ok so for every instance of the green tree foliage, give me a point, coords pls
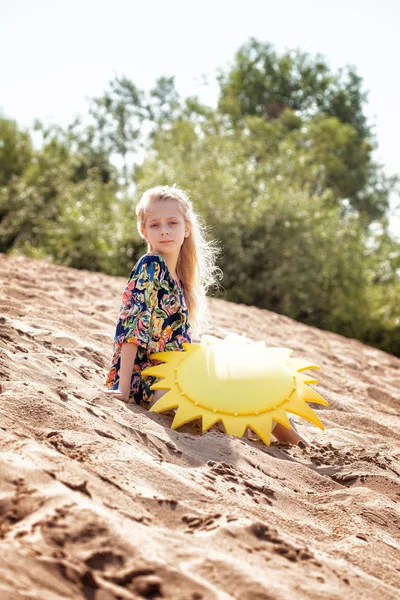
(46, 212)
(163, 103)
(122, 120)
(15, 151)
(263, 84)
(383, 326)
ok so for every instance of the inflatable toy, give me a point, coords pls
(241, 384)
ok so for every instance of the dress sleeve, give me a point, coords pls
(138, 301)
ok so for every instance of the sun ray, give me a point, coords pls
(298, 407)
(166, 402)
(190, 348)
(262, 427)
(235, 425)
(307, 379)
(186, 412)
(172, 358)
(298, 364)
(209, 419)
(157, 371)
(163, 384)
(310, 395)
(280, 417)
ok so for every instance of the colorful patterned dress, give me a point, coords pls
(153, 315)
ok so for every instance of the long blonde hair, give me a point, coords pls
(196, 266)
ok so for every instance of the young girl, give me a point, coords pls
(165, 298)
(164, 301)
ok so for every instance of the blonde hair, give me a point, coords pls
(196, 262)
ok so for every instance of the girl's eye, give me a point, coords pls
(154, 225)
(174, 223)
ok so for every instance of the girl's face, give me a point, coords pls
(165, 228)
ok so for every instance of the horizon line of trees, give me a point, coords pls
(282, 171)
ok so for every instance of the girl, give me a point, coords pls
(165, 298)
(164, 301)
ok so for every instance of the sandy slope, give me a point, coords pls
(100, 500)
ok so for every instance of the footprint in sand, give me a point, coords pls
(383, 397)
(65, 341)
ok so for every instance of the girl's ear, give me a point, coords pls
(187, 232)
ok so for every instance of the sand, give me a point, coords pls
(102, 500)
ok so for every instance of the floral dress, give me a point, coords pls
(153, 315)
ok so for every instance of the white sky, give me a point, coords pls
(56, 53)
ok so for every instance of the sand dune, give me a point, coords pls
(101, 500)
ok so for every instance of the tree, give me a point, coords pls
(15, 151)
(117, 117)
(46, 212)
(163, 104)
(122, 122)
(266, 85)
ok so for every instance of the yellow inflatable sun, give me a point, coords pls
(243, 385)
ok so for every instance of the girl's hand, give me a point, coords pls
(118, 394)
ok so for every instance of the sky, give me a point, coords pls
(55, 54)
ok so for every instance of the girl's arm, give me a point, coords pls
(128, 355)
